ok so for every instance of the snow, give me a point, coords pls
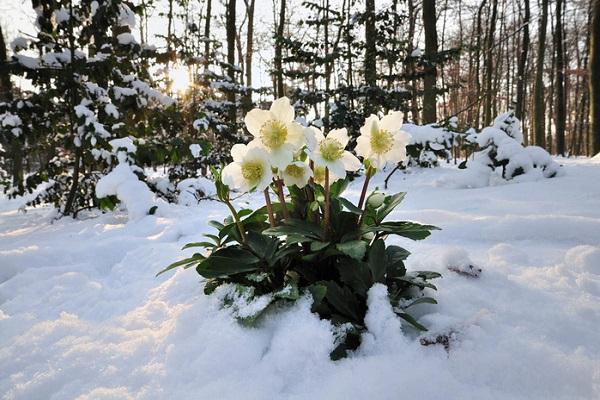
(195, 149)
(125, 38)
(82, 315)
(132, 192)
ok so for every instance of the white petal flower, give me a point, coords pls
(297, 173)
(249, 170)
(382, 141)
(319, 176)
(276, 131)
(329, 151)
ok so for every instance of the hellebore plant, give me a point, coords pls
(312, 241)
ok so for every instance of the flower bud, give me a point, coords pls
(376, 199)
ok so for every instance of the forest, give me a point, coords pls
(171, 74)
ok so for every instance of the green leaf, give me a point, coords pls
(411, 230)
(343, 301)
(318, 292)
(261, 245)
(377, 261)
(355, 274)
(196, 258)
(394, 260)
(318, 246)
(411, 320)
(389, 204)
(355, 249)
(296, 227)
(422, 300)
(428, 274)
(338, 187)
(349, 206)
(198, 244)
(152, 210)
(228, 261)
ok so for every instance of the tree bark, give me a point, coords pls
(538, 96)
(489, 64)
(561, 112)
(522, 67)
(431, 46)
(279, 89)
(249, 49)
(231, 35)
(207, 34)
(594, 80)
(370, 50)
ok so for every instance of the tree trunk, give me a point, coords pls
(431, 46)
(489, 64)
(231, 34)
(561, 112)
(249, 50)
(522, 68)
(370, 52)
(279, 89)
(538, 96)
(207, 34)
(594, 80)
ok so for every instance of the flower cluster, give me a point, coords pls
(313, 240)
(284, 151)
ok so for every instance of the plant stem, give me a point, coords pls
(363, 194)
(327, 210)
(269, 207)
(236, 217)
(284, 209)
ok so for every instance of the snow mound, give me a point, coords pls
(132, 192)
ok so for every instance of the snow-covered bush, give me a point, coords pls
(314, 242)
(429, 143)
(500, 148)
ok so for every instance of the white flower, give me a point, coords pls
(381, 141)
(296, 173)
(330, 151)
(249, 170)
(319, 176)
(276, 131)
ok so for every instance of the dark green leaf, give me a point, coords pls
(355, 249)
(196, 258)
(389, 204)
(377, 260)
(411, 230)
(228, 261)
(343, 300)
(422, 300)
(411, 320)
(349, 206)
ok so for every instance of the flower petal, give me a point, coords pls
(232, 175)
(283, 110)
(351, 163)
(337, 168)
(392, 122)
(366, 128)
(312, 136)
(255, 119)
(341, 135)
(238, 151)
(296, 134)
(363, 146)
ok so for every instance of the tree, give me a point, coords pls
(522, 67)
(279, 90)
(594, 80)
(561, 112)
(538, 95)
(431, 48)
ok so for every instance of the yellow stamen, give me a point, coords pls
(294, 171)
(381, 141)
(252, 170)
(273, 134)
(331, 149)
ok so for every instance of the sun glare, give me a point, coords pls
(180, 79)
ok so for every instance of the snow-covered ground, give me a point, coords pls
(82, 315)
